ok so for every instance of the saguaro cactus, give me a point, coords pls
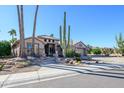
(64, 30)
(64, 34)
(63, 42)
(69, 36)
(60, 29)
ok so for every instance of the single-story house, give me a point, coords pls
(44, 46)
(80, 48)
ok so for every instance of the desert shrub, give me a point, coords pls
(89, 51)
(77, 55)
(120, 43)
(78, 59)
(5, 48)
(71, 53)
(96, 51)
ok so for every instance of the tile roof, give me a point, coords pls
(47, 37)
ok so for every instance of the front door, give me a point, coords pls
(49, 49)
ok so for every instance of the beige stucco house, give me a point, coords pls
(44, 46)
(80, 48)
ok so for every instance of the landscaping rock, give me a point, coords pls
(10, 63)
(66, 60)
(7, 66)
(22, 64)
(18, 65)
(2, 62)
(74, 62)
(86, 58)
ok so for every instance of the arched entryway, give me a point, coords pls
(49, 49)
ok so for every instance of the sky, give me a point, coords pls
(94, 25)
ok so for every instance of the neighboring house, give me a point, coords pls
(44, 46)
(80, 48)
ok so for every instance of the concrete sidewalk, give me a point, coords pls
(51, 71)
(44, 72)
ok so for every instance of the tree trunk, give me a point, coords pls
(34, 30)
(22, 34)
(13, 53)
(20, 31)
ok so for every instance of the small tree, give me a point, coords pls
(89, 49)
(120, 44)
(12, 33)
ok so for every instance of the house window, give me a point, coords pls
(29, 45)
(53, 40)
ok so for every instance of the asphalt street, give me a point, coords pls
(107, 78)
(78, 81)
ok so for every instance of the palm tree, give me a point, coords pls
(12, 33)
(34, 29)
(21, 30)
(22, 26)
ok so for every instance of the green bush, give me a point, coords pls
(78, 59)
(77, 55)
(96, 51)
(71, 53)
(5, 48)
(89, 51)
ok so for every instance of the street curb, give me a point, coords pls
(38, 78)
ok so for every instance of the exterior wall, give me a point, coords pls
(37, 50)
(49, 41)
(39, 46)
(17, 50)
(28, 51)
(80, 48)
(82, 51)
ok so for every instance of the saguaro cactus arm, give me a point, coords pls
(60, 29)
(69, 36)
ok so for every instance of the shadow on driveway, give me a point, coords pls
(82, 70)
